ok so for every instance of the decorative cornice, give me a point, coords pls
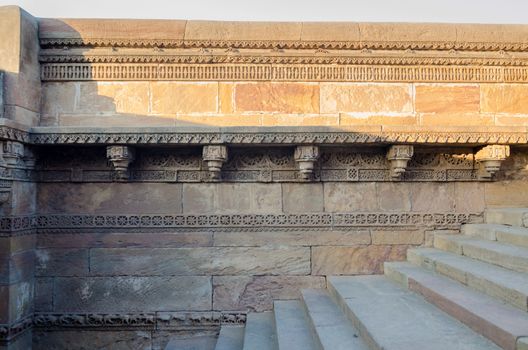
(282, 72)
(97, 137)
(286, 44)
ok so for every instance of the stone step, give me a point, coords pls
(230, 338)
(330, 327)
(501, 254)
(501, 323)
(392, 318)
(501, 233)
(260, 332)
(495, 281)
(507, 216)
(292, 328)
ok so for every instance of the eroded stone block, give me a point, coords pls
(132, 294)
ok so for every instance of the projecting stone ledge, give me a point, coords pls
(371, 134)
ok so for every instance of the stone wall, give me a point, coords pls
(375, 105)
(160, 178)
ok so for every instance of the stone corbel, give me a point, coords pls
(490, 158)
(120, 157)
(305, 157)
(214, 157)
(399, 156)
(12, 152)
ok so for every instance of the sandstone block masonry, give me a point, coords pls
(160, 178)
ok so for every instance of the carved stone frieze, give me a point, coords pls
(490, 159)
(282, 72)
(11, 152)
(120, 157)
(398, 157)
(214, 156)
(305, 157)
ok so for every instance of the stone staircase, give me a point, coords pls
(468, 292)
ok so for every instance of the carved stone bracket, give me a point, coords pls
(11, 152)
(120, 157)
(399, 156)
(490, 159)
(305, 157)
(214, 156)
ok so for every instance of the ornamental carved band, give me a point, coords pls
(490, 159)
(305, 157)
(399, 156)
(214, 156)
(120, 157)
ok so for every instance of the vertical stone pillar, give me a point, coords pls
(19, 103)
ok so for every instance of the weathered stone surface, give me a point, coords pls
(394, 196)
(351, 119)
(58, 98)
(200, 261)
(230, 30)
(354, 260)
(456, 119)
(226, 97)
(180, 97)
(16, 301)
(432, 197)
(397, 237)
(23, 198)
(255, 198)
(256, 293)
(371, 98)
(110, 198)
(61, 262)
(218, 120)
(345, 197)
(232, 198)
(506, 194)
(338, 31)
(447, 98)
(21, 342)
(83, 340)
(397, 32)
(300, 120)
(302, 198)
(111, 28)
(504, 98)
(277, 97)
(198, 198)
(43, 297)
(295, 238)
(132, 294)
(469, 197)
(184, 340)
(17, 267)
(125, 239)
(112, 97)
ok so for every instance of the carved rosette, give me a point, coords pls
(490, 158)
(399, 156)
(214, 157)
(305, 157)
(120, 157)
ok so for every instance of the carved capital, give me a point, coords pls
(399, 156)
(305, 157)
(214, 157)
(490, 159)
(120, 157)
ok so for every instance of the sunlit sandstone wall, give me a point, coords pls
(376, 105)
